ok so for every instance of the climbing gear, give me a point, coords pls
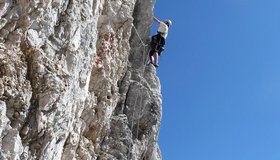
(156, 65)
(168, 21)
(157, 44)
(149, 135)
(139, 36)
(133, 121)
(145, 58)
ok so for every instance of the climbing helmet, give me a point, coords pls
(168, 21)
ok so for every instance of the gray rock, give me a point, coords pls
(73, 84)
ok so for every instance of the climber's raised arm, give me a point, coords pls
(156, 20)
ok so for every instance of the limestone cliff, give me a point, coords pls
(73, 84)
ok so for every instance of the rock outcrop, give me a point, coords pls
(73, 84)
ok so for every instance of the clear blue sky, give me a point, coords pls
(220, 77)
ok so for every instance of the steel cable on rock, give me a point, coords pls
(145, 46)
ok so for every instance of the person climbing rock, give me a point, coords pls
(158, 40)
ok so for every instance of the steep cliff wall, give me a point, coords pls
(72, 80)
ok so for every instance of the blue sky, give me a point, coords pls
(220, 77)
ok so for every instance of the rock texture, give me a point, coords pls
(73, 84)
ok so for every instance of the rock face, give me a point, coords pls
(73, 84)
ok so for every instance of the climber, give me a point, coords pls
(158, 40)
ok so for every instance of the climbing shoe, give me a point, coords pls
(156, 65)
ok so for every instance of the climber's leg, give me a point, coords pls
(156, 59)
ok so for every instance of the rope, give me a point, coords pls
(141, 100)
(145, 56)
(132, 124)
(137, 33)
(143, 44)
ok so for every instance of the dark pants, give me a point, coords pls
(157, 44)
